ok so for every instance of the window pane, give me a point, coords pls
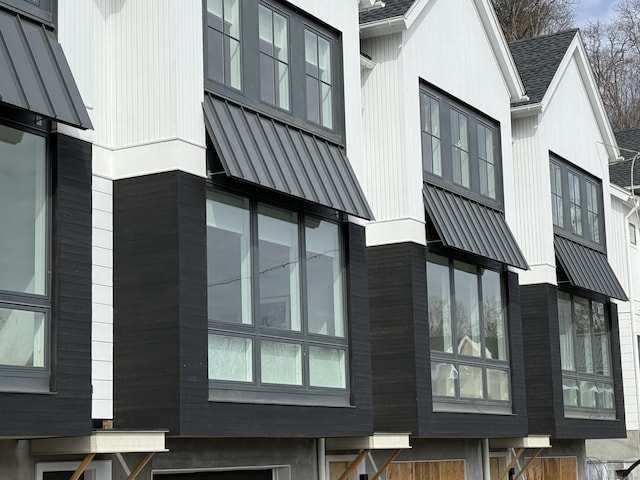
(632, 234)
(324, 60)
(570, 392)
(430, 115)
(460, 148)
(228, 258)
(230, 358)
(265, 29)
(327, 105)
(439, 298)
(22, 338)
(605, 396)
(587, 394)
(575, 207)
(282, 92)
(214, 7)
(325, 292)
(582, 322)
(280, 38)
(23, 212)
(311, 53)
(566, 331)
(471, 382)
(601, 340)
(278, 268)
(281, 363)
(267, 77)
(443, 379)
(234, 64)
(556, 195)
(486, 161)
(498, 385)
(215, 52)
(493, 309)
(327, 367)
(232, 18)
(313, 100)
(466, 310)
(593, 210)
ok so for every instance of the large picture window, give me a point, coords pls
(585, 353)
(576, 202)
(275, 299)
(24, 252)
(468, 338)
(460, 148)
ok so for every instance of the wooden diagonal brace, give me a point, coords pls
(136, 471)
(513, 461)
(528, 464)
(386, 464)
(83, 466)
(352, 466)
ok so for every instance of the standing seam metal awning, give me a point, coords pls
(467, 225)
(261, 150)
(34, 73)
(587, 268)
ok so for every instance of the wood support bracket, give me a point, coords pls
(83, 466)
(386, 464)
(528, 464)
(143, 463)
(352, 466)
(513, 461)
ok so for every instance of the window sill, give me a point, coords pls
(587, 415)
(444, 407)
(272, 398)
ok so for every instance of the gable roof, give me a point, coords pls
(538, 60)
(392, 8)
(620, 172)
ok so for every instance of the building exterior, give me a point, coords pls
(293, 239)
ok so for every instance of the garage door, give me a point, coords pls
(557, 468)
(233, 475)
(448, 470)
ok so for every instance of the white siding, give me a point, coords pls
(102, 299)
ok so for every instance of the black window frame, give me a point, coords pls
(238, 391)
(586, 237)
(476, 405)
(33, 379)
(40, 10)
(250, 95)
(579, 411)
(474, 118)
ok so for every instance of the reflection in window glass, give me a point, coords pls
(278, 270)
(430, 120)
(223, 42)
(274, 57)
(566, 331)
(556, 195)
(466, 310)
(497, 385)
(318, 79)
(575, 207)
(582, 322)
(325, 309)
(493, 313)
(444, 377)
(228, 258)
(281, 363)
(460, 149)
(23, 338)
(23, 212)
(601, 336)
(230, 358)
(593, 215)
(439, 298)
(327, 367)
(471, 384)
(486, 161)
(570, 392)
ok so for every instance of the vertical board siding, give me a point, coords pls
(68, 412)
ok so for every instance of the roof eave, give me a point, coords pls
(528, 110)
(383, 27)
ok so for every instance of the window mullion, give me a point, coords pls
(302, 286)
(255, 289)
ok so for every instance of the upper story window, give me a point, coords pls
(262, 48)
(576, 202)
(277, 322)
(585, 354)
(632, 234)
(460, 148)
(24, 259)
(468, 337)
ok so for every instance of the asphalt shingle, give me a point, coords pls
(620, 172)
(537, 60)
(391, 9)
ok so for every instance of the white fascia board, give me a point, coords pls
(366, 63)
(383, 27)
(577, 51)
(377, 441)
(528, 110)
(501, 50)
(103, 441)
(532, 441)
(620, 193)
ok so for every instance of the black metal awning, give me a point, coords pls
(34, 73)
(264, 151)
(587, 268)
(466, 225)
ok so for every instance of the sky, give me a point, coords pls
(590, 10)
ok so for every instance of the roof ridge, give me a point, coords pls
(546, 35)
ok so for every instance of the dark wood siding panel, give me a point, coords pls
(69, 411)
(146, 302)
(393, 344)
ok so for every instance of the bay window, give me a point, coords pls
(24, 259)
(585, 354)
(468, 338)
(275, 300)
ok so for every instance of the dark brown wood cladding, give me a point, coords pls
(161, 324)
(67, 411)
(401, 359)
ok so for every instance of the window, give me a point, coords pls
(632, 234)
(24, 259)
(467, 334)
(40, 9)
(261, 48)
(275, 298)
(223, 37)
(460, 148)
(585, 355)
(577, 197)
(274, 57)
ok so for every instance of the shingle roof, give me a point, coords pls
(537, 60)
(620, 172)
(392, 8)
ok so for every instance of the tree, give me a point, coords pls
(614, 53)
(530, 18)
